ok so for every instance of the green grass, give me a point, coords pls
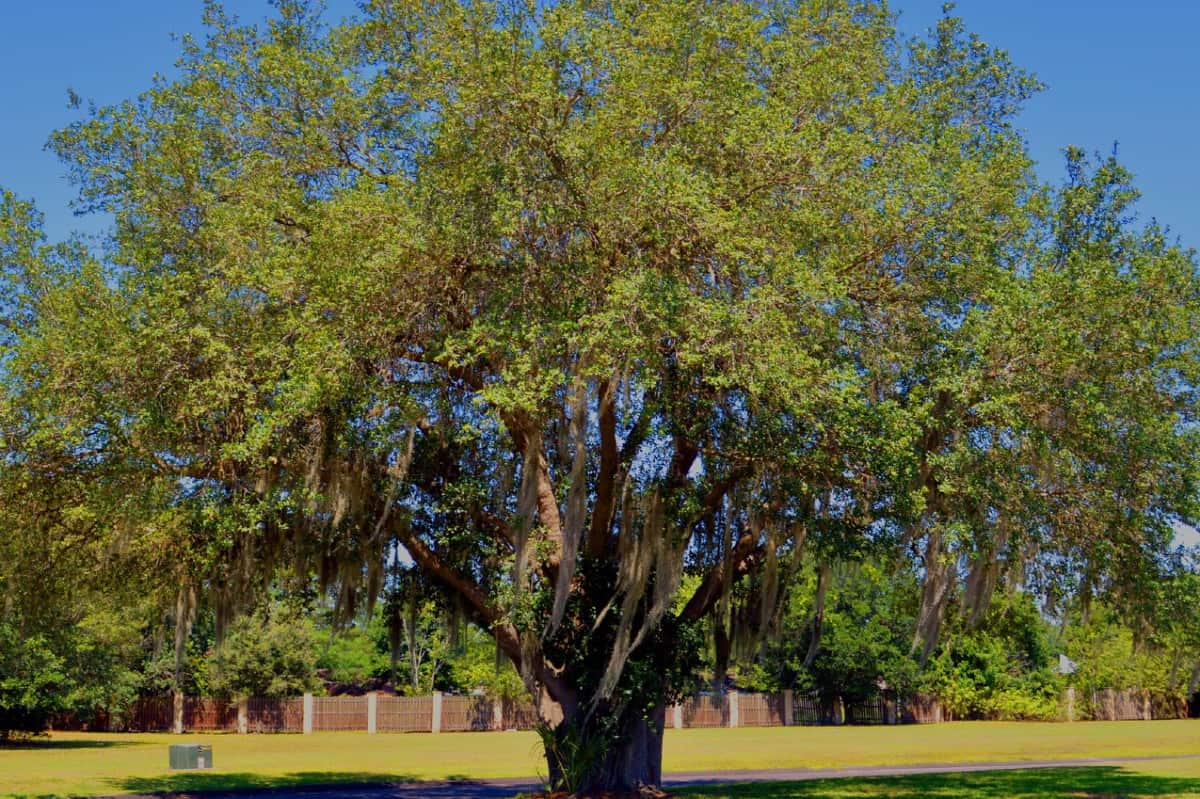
(92, 764)
(1177, 779)
(1174, 779)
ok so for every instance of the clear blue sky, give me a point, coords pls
(1117, 71)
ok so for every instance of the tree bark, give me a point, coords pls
(635, 760)
(610, 462)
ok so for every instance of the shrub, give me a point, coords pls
(266, 656)
(33, 684)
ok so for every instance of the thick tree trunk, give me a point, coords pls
(939, 582)
(632, 761)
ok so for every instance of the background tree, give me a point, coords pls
(266, 655)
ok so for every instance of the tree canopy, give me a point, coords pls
(564, 301)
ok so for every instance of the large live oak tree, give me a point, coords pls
(565, 300)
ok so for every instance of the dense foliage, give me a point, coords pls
(264, 656)
(1015, 662)
(32, 684)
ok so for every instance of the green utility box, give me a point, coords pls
(191, 756)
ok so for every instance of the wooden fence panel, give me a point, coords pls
(209, 715)
(1112, 705)
(921, 709)
(760, 710)
(339, 713)
(1164, 706)
(466, 714)
(707, 710)
(1135, 704)
(147, 714)
(518, 714)
(152, 714)
(404, 713)
(275, 715)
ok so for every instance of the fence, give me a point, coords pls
(339, 713)
(448, 713)
(808, 710)
(468, 714)
(705, 710)
(404, 714)
(274, 715)
(154, 714)
(1135, 704)
(761, 710)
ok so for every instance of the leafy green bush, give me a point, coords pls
(1000, 670)
(1022, 704)
(265, 655)
(195, 670)
(103, 653)
(85, 667)
(354, 656)
(866, 630)
(34, 684)
(1108, 655)
(476, 666)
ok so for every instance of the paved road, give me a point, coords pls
(505, 788)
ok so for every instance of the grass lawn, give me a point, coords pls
(94, 764)
(1177, 779)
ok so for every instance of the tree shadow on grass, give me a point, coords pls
(344, 784)
(48, 744)
(1092, 782)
